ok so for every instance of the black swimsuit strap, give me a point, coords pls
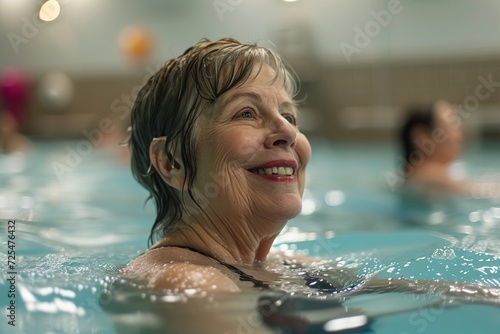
(243, 276)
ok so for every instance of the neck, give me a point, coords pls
(237, 242)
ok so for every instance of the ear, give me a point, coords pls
(169, 168)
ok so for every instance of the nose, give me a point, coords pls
(283, 133)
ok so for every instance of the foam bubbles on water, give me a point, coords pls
(444, 254)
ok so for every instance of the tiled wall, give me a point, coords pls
(368, 101)
(94, 99)
(355, 102)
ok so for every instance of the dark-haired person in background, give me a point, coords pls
(432, 139)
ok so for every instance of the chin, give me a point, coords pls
(287, 210)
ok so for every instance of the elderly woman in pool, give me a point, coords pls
(215, 140)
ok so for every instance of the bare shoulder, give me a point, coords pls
(174, 270)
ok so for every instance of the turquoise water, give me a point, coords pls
(77, 225)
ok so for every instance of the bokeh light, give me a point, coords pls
(50, 11)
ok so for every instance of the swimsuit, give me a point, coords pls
(317, 283)
(243, 276)
(285, 311)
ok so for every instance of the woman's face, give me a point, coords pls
(251, 155)
(447, 120)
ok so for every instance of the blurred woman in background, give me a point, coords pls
(432, 139)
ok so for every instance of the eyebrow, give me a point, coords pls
(283, 106)
(235, 96)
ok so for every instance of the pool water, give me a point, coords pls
(76, 226)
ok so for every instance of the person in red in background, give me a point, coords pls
(13, 98)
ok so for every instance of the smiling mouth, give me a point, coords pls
(285, 171)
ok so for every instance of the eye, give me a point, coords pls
(290, 118)
(246, 113)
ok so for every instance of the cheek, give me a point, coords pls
(303, 149)
(453, 139)
(222, 154)
(244, 146)
(236, 148)
(458, 135)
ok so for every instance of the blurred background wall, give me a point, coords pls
(360, 62)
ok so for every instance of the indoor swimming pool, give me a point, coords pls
(79, 218)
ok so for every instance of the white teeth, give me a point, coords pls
(288, 171)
